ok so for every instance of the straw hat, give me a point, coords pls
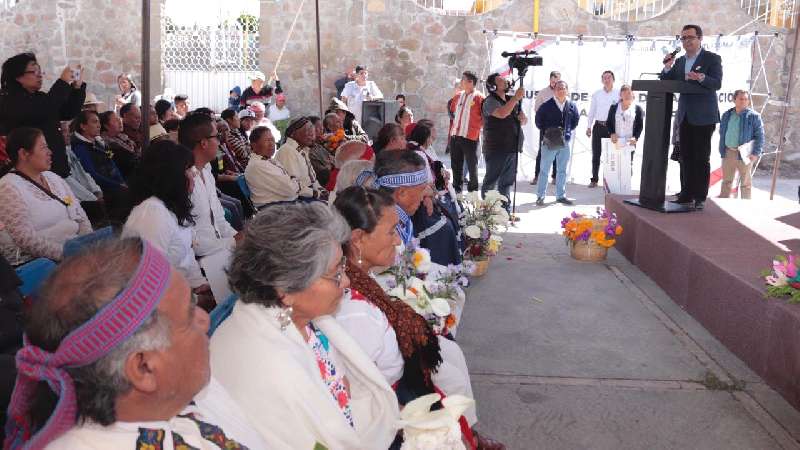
(91, 99)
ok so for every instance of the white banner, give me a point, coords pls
(582, 63)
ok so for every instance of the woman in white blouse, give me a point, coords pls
(625, 120)
(161, 192)
(269, 182)
(38, 208)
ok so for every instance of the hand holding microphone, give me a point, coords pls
(669, 60)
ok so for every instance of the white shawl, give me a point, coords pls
(274, 377)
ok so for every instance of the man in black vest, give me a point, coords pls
(502, 135)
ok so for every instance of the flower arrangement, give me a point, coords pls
(433, 291)
(333, 140)
(484, 219)
(784, 278)
(601, 229)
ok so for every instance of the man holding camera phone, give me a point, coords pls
(502, 126)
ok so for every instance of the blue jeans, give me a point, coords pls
(561, 157)
(500, 174)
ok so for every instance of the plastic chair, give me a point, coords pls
(243, 186)
(33, 273)
(221, 312)
(75, 245)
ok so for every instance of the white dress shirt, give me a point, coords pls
(269, 182)
(601, 101)
(212, 232)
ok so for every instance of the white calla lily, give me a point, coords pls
(440, 307)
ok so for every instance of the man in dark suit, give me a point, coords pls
(698, 114)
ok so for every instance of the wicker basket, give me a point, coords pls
(588, 251)
(481, 267)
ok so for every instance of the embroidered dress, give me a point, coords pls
(327, 369)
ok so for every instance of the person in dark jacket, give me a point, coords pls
(24, 104)
(625, 120)
(556, 119)
(352, 129)
(259, 91)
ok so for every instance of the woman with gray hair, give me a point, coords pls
(291, 367)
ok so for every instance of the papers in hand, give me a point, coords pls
(745, 150)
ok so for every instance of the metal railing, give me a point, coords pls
(626, 10)
(778, 13)
(460, 7)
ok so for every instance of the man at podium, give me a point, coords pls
(698, 114)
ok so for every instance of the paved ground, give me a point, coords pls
(571, 355)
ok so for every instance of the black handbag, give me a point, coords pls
(554, 137)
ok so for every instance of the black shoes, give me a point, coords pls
(699, 205)
(681, 200)
(565, 201)
(540, 201)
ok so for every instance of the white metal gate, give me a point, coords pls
(206, 61)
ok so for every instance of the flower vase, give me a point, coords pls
(588, 251)
(481, 267)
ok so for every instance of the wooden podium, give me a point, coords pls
(656, 141)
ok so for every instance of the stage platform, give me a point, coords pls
(709, 262)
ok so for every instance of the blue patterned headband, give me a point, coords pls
(394, 181)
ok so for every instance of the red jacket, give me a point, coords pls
(474, 113)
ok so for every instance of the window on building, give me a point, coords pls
(626, 10)
(778, 13)
(461, 7)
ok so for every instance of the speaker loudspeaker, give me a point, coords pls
(377, 113)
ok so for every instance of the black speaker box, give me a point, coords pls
(376, 113)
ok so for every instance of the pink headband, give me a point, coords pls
(112, 325)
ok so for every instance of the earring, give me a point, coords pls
(285, 317)
(359, 257)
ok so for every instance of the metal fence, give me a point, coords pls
(778, 13)
(206, 61)
(626, 10)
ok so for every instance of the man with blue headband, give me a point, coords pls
(116, 356)
(405, 175)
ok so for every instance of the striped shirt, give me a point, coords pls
(468, 120)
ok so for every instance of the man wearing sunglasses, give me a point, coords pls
(698, 114)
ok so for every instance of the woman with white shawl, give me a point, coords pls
(296, 373)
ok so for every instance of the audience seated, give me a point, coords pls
(294, 157)
(236, 139)
(181, 106)
(146, 384)
(352, 129)
(349, 173)
(248, 121)
(436, 225)
(227, 171)
(269, 182)
(122, 147)
(390, 137)
(165, 111)
(260, 119)
(95, 157)
(24, 104)
(214, 236)
(293, 369)
(131, 122)
(320, 157)
(162, 210)
(397, 339)
(404, 117)
(155, 131)
(81, 183)
(38, 208)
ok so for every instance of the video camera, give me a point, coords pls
(522, 60)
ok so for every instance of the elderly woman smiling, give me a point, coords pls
(288, 363)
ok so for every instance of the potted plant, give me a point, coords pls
(590, 237)
(483, 221)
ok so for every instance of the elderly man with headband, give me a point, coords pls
(405, 176)
(116, 356)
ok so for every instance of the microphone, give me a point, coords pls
(671, 55)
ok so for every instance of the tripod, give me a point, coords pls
(520, 137)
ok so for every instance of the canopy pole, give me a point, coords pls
(145, 126)
(319, 62)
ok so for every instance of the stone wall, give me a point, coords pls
(417, 52)
(102, 35)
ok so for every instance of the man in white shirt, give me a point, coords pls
(213, 234)
(117, 332)
(360, 90)
(598, 114)
(269, 182)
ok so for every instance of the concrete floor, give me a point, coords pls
(571, 355)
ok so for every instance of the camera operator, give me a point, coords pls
(502, 130)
